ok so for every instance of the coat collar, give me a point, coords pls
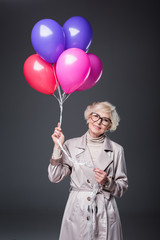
(81, 143)
(104, 159)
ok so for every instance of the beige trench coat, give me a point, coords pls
(106, 220)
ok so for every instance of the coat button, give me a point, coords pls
(88, 198)
(88, 181)
(88, 218)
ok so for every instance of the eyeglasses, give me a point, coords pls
(105, 121)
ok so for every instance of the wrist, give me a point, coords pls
(56, 146)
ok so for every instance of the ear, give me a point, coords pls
(109, 127)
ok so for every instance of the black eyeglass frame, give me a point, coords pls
(101, 118)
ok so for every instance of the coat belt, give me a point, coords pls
(104, 192)
(81, 189)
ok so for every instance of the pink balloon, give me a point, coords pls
(72, 68)
(95, 73)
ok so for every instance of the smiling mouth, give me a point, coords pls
(96, 127)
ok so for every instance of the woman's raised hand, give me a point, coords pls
(58, 135)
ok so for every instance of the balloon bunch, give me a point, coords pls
(61, 58)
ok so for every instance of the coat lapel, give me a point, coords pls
(106, 156)
(82, 154)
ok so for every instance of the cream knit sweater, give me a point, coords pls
(95, 146)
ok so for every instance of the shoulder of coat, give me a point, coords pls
(72, 140)
(115, 145)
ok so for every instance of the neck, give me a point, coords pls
(93, 135)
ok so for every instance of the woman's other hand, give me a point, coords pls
(58, 135)
(100, 176)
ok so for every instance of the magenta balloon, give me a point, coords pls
(95, 73)
(72, 68)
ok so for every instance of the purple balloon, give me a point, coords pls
(78, 33)
(95, 73)
(48, 39)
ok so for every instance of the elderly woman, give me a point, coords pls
(108, 170)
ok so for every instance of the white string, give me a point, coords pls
(61, 99)
(65, 97)
(56, 97)
(61, 111)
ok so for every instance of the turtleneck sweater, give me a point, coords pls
(94, 145)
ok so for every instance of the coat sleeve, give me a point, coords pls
(118, 184)
(60, 167)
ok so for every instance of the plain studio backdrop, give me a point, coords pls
(126, 39)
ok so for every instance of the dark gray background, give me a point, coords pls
(126, 38)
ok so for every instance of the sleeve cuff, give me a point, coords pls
(55, 162)
(109, 186)
(56, 157)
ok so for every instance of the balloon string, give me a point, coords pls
(60, 101)
(66, 97)
(61, 111)
(56, 97)
(61, 98)
(59, 92)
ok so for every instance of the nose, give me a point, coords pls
(99, 121)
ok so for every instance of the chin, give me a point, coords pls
(96, 131)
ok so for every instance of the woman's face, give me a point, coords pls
(96, 125)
